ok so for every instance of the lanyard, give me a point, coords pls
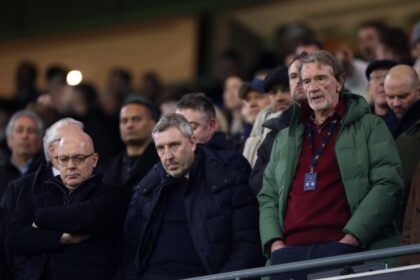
(325, 139)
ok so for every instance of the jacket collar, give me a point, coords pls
(357, 107)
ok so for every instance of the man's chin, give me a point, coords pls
(133, 142)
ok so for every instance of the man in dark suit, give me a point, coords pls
(137, 119)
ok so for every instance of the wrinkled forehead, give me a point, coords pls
(315, 68)
(65, 130)
(26, 122)
(168, 136)
(73, 147)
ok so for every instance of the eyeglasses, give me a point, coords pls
(77, 159)
(377, 77)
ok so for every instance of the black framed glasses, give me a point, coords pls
(77, 159)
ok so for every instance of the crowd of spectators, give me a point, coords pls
(321, 148)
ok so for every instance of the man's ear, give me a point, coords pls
(95, 158)
(212, 124)
(193, 142)
(340, 84)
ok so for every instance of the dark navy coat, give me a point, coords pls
(93, 209)
(222, 216)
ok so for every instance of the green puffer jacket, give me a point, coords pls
(370, 169)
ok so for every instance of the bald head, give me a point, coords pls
(53, 137)
(76, 159)
(402, 89)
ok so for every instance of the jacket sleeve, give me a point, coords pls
(93, 216)
(8, 199)
(25, 239)
(246, 252)
(378, 207)
(270, 228)
(263, 157)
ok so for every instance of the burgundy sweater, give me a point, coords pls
(317, 216)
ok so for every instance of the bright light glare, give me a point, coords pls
(74, 77)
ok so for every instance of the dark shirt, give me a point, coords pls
(174, 255)
(124, 171)
(317, 216)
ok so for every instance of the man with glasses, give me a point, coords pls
(191, 215)
(45, 171)
(67, 227)
(376, 73)
(333, 182)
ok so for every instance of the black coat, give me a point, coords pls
(93, 209)
(219, 145)
(5, 260)
(222, 215)
(114, 167)
(264, 151)
(8, 172)
(398, 127)
(14, 188)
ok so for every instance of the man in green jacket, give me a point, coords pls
(333, 182)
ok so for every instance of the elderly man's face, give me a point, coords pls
(62, 131)
(176, 152)
(25, 139)
(320, 86)
(376, 86)
(76, 160)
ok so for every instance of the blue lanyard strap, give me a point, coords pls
(325, 139)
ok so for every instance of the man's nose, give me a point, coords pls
(312, 86)
(168, 154)
(396, 102)
(129, 124)
(71, 164)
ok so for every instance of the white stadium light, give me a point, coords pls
(74, 77)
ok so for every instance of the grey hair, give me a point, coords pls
(51, 133)
(173, 120)
(326, 58)
(24, 113)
